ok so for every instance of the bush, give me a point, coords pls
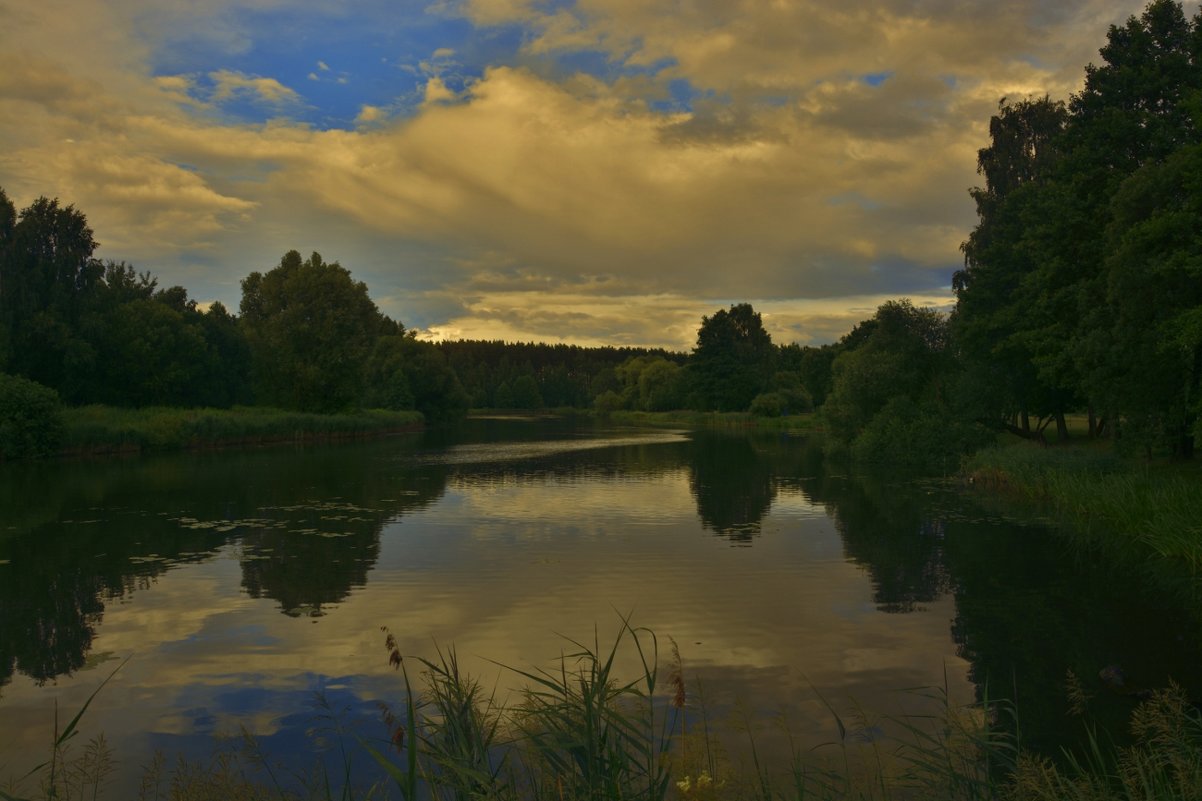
(607, 402)
(767, 404)
(31, 419)
(917, 435)
(794, 398)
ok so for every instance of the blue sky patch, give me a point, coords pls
(336, 64)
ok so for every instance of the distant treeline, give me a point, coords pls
(1081, 292)
(515, 375)
(307, 337)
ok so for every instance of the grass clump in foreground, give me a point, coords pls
(1108, 501)
(103, 429)
(578, 733)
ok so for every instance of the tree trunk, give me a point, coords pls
(1026, 422)
(1185, 448)
(1013, 429)
(1061, 427)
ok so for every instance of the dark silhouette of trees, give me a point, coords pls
(1080, 280)
(733, 361)
(990, 325)
(1080, 291)
(46, 271)
(310, 328)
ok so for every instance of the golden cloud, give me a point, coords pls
(560, 197)
(228, 84)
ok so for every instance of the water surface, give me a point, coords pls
(244, 587)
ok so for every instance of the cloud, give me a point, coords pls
(713, 153)
(436, 91)
(228, 84)
(369, 114)
(597, 316)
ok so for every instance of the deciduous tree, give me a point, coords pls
(733, 361)
(310, 328)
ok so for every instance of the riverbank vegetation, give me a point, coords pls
(109, 429)
(1147, 509)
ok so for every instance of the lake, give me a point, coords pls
(249, 588)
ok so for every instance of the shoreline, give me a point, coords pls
(110, 431)
(1145, 512)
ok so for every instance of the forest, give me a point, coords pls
(1080, 293)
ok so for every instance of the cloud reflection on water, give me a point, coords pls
(498, 557)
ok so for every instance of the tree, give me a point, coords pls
(437, 393)
(46, 273)
(1154, 272)
(1136, 109)
(526, 394)
(310, 328)
(153, 357)
(31, 421)
(905, 356)
(8, 222)
(387, 384)
(991, 324)
(661, 385)
(733, 360)
(228, 380)
(812, 366)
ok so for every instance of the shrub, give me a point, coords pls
(607, 402)
(917, 435)
(767, 404)
(31, 419)
(794, 397)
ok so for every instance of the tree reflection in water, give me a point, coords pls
(92, 533)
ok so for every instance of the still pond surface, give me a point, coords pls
(244, 586)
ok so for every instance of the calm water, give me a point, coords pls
(243, 586)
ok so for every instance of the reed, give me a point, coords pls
(1152, 511)
(693, 419)
(579, 733)
(576, 733)
(108, 429)
(66, 776)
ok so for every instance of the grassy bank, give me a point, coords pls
(107, 429)
(692, 419)
(683, 418)
(1132, 507)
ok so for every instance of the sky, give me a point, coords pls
(584, 171)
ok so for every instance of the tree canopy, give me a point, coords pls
(310, 328)
(733, 360)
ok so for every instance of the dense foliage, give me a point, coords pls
(31, 421)
(1082, 284)
(1081, 291)
(1083, 278)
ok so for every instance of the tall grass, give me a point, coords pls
(579, 733)
(693, 419)
(1106, 501)
(65, 775)
(1165, 762)
(100, 429)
